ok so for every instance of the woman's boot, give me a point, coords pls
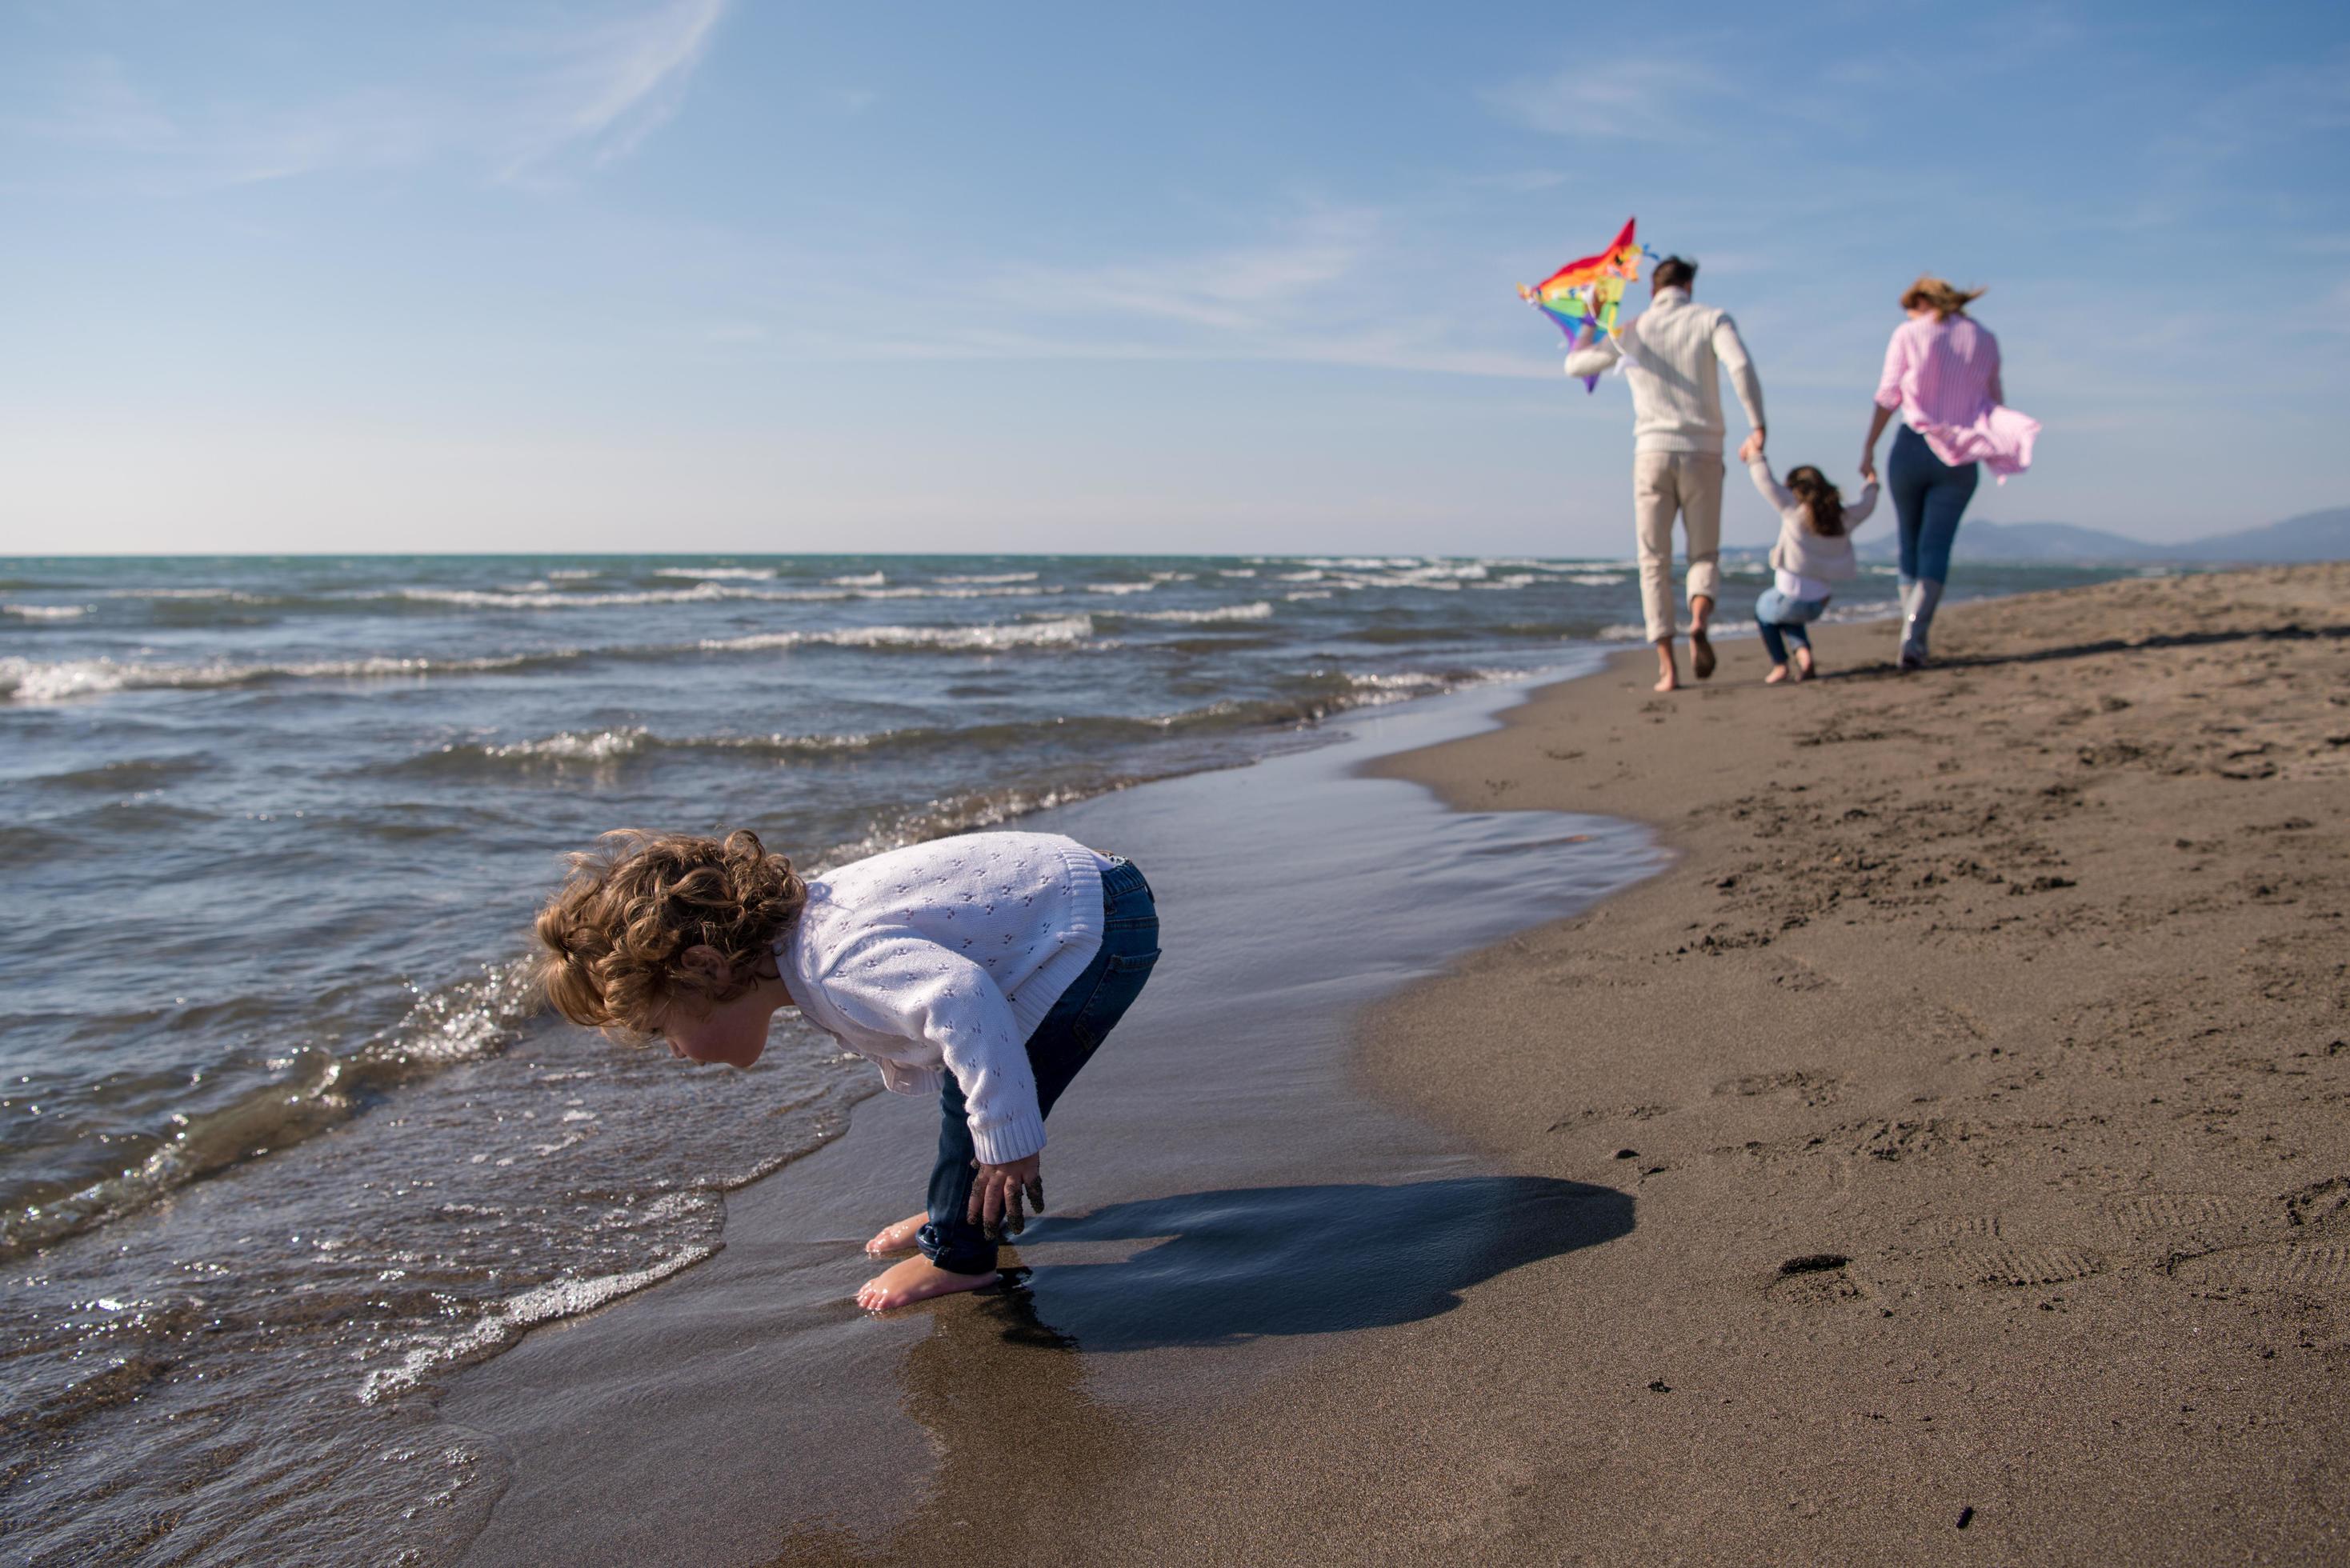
(1917, 620)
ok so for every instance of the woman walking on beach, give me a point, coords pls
(1941, 372)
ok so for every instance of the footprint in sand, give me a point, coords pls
(2289, 1266)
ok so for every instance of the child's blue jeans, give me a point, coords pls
(1782, 621)
(1064, 1042)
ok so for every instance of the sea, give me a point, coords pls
(284, 1141)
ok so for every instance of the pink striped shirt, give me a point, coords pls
(1943, 375)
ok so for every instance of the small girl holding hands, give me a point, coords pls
(986, 969)
(1814, 554)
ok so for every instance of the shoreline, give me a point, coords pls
(1904, 1248)
(1184, 1273)
(1976, 1066)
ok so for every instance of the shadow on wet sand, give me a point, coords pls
(1227, 1267)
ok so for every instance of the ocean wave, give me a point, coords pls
(1064, 632)
(510, 598)
(859, 580)
(39, 681)
(514, 1316)
(46, 612)
(742, 574)
(1116, 589)
(462, 1023)
(1259, 610)
(1326, 694)
(28, 680)
(596, 748)
(1596, 580)
(1623, 632)
(986, 578)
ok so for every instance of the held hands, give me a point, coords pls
(1753, 447)
(996, 1196)
(1869, 466)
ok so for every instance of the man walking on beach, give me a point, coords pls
(1672, 354)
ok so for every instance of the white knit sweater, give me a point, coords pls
(1799, 552)
(1673, 354)
(945, 957)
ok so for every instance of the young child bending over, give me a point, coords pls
(987, 969)
(1814, 554)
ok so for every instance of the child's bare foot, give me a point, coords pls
(1778, 674)
(898, 1238)
(1804, 668)
(915, 1280)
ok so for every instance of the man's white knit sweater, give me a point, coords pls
(1671, 354)
(944, 957)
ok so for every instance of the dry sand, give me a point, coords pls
(1978, 1072)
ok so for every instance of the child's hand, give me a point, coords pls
(996, 1197)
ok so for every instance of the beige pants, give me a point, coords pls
(1664, 482)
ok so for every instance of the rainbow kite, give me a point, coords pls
(1589, 292)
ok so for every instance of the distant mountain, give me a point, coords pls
(2312, 537)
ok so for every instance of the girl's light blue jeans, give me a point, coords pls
(1782, 621)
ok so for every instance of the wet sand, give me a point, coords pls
(1945, 1153)
(1979, 1072)
(1231, 1206)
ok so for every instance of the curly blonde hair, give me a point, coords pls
(615, 930)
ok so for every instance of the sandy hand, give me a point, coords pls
(996, 1196)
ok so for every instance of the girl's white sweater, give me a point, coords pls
(945, 957)
(1799, 552)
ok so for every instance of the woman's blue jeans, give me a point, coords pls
(1930, 496)
(1064, 1042)
(1782, 621)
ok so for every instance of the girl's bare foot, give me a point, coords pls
(1803, 669)
(915, 1280)
(898, 1238)
(1778, 674)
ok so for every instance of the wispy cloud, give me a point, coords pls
(1240, 288)
(609, 86)
(1657, 97)
(582, 89)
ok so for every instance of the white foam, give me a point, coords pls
(987, 577)
(1259, 610)
(713, 574)
(35, 680)
(1016, 634)
(510, 1319)
(47, 612)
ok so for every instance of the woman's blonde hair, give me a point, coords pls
(1941, 296)
(614, 932)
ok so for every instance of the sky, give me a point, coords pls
(738, 276)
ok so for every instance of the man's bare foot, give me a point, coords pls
(916, 1279)
(1804, 669)
(898, 1238)
(1778, 675)
(1669, 675)
(1700, 652)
